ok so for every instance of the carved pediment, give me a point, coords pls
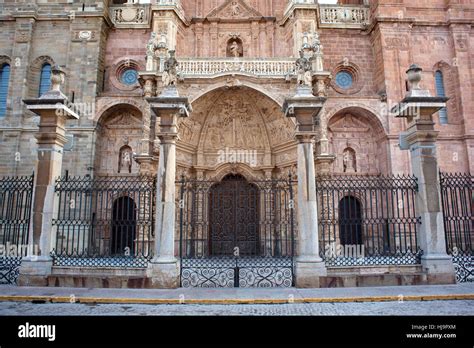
(234, 9)
(349, 123)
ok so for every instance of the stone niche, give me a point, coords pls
(119, 132)
(359, 143)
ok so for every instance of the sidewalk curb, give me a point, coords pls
(151, 301)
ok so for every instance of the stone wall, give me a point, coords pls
(437, 35)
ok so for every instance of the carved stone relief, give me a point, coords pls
(118, 137)
(355, 144)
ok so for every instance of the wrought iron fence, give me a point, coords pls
(236, 233)
(15, 214)
(104, 222)
(458, 210)
(368, 220)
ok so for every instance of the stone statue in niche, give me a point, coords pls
(235, 49)
(125, 160)
(303, 69)
(349, 161)
(170, 74)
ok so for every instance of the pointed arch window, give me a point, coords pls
(4, 80)
(440, 92)
(45, 79)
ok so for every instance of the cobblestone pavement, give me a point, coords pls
(370, 308)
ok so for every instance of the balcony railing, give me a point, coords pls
(205, 67)
(344, 16)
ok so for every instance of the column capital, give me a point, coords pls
(304, 108)
(169, 103)
(168, 137)
(305, 137)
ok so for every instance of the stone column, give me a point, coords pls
(53, 111)
(164, 268)
(418, 108)
(309, 265)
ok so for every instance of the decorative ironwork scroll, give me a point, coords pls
(464, 268)
(9, 270)
(222, 272)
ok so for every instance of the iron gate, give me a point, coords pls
(104, 221)
(368, 220)
(458, 210)
(236, 233)
(15, 214)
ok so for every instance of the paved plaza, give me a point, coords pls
(296, 309)
(401, 300)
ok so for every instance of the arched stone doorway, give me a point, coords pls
(350, 221)
(124, 226)
(234, 218)
(359, 143)
(118, 137)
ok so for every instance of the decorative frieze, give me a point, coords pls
(357, 17)
(130, 16)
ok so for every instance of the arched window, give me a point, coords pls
(4, 79)
(440, 92)
(45, 79)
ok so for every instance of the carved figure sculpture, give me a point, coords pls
(303, 68)
(349, 161)
(170, 74)
(235, 49)
(125, 160)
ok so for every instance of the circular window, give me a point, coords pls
(344, 79)
(129, 77)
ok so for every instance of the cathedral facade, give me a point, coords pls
(236, 62)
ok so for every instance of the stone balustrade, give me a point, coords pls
(202, 67)
(344, 16)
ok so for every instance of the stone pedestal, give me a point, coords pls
(418, 108)
(309, 266)
(323, 163)
(164, 268)
(53, 112)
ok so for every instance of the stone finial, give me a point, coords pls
(414, 77)
(57, 78)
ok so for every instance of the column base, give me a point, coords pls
(35, 271)
(439, 269)
(308, 274)
(163, 274)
